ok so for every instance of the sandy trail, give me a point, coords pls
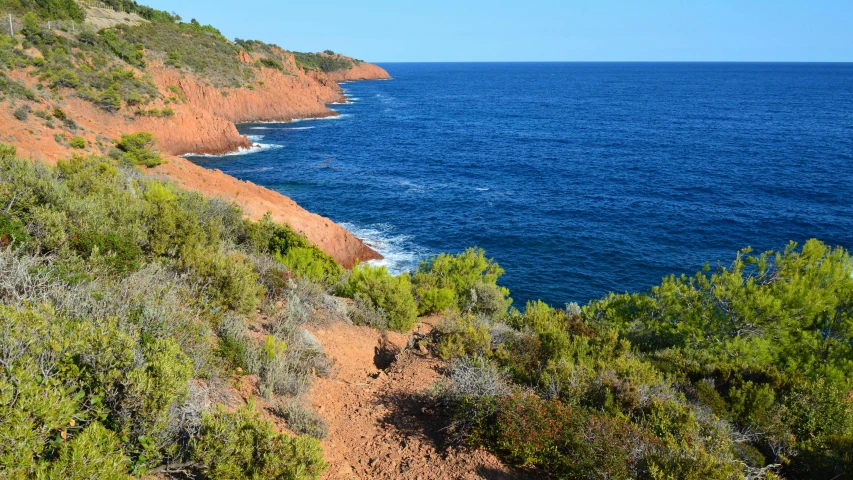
(380, 424)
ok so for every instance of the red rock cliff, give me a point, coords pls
(204, 122)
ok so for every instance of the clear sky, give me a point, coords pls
(540, 30)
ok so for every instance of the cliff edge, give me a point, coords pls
(188, 86)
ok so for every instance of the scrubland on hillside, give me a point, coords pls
(147, 330)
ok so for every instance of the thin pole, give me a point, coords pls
(11, 27)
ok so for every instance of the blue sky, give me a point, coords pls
(541, 30)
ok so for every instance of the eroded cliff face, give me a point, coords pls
(204, 122)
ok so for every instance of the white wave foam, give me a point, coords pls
(257, 147)
(482, 189)
(336, 117)
(255, 138)
(250, 170)
(400, 252)
(282, 128)
(412, 187)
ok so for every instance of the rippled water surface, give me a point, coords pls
(579, 179)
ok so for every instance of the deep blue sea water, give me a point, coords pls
(578, 178)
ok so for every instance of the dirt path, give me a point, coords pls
(380, 425)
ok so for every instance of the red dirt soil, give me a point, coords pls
(380, 425)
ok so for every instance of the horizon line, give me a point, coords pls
(623, 61)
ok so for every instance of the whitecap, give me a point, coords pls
(482, 189)
(411, 187)
(255, 138)
(401, 254)
(282, 128)
(257, 147)
(250, 170)
(334, 117)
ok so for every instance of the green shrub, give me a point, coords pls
(109, 99)
(311, 263)
(391, 294)
(15, 89)
(230, 278)
(564, 441)
(13, 233)
(131, 53)
(463, 282)
(465, 335)
(138, 149)
(325, 63)
(241, 445)
(22, 112)
(116, 251)
(293, 250)
(69, 376)
(271, 63)
(7, 151)
(364, 312)
(78, 142)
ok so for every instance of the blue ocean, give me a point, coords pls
(578, 178)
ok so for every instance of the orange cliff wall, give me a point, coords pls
(205, 123)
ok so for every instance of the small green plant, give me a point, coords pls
(240, 445)
(78, 142)
(119, 253)
(385, 291)
(271, 63)
(463, 282)
(138, 148)
(22, 112)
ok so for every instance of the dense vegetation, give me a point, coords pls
(738, 372)
(120, 324)
(323, 61)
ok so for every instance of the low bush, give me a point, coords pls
(241, 445)
(114, 250)
(323, 62)
(69, 376)
(464, 282)
(301, 420)
(77, 142)
(229, 278)
(137, 149)
(364, 312)
(13, 233)
(310, 263)
(294, 251)
(463, 335)
(385, 291)
(22, 113)
(271, 63)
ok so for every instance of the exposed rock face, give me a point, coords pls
(204, 122)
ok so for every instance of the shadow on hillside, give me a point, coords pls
(416, 415)
(493, 474)
(385, 354)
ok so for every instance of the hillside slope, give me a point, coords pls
(94, 86)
